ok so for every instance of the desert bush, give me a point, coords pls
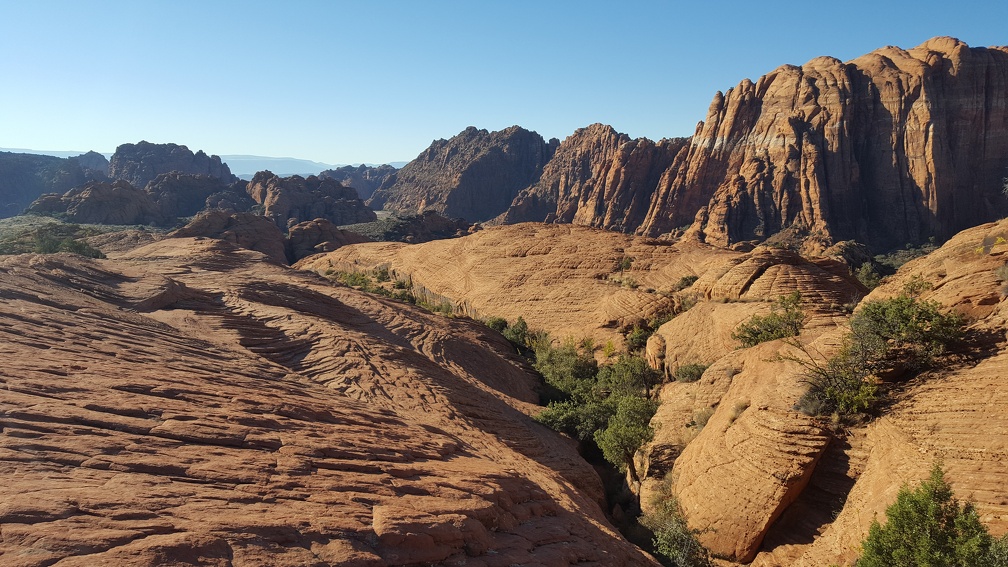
(843, 384)
(382, 274)
(928, 526)
(868, 275)
(674, 543)
(901, 331)
(997, 555)
(630, 374)
(907, 328)
(637, 338)
(355, 279)
(689, 372)
(701, 417)
(518, 333)
(785, 320)
(684, 282)
(498, 324)
(567, 370)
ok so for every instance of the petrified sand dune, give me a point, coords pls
(190, 403)
(770, 486)
(761, 481)
(561, 278)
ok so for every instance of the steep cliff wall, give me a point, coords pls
(475, 175)
(140, 163)
(598, 177)
(893, 147)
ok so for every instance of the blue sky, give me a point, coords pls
(377, 81)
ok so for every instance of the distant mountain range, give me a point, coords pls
(243, 166)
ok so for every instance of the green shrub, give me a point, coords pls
(785, 320)
(630, 374)
(518, 333)
(355, 279)
(637, 338)
(997, 556)
(907, 329)
(899, 332)
(684, 282)
(689, 372)
(498, 324)
(927, 526)
(382, 274)
(608, 405)
(868, 275)
(674, 543)
(566, 369)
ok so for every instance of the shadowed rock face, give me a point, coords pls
(189, 401)
(294, 199)
(102, 202)
(140, 163)
(185, 194)
(363, 178)
(25, 177)
(475, 175)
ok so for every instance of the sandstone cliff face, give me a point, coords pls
(25, 177)
(290, 200)
(188, 403)
(597, 177)
(888, 149)
(140, 163)
(249, 231)
(316, 236)
(185, 194)
(363, 178)
(102, 202)
(475, 175)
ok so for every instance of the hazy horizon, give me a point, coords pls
(345, 82)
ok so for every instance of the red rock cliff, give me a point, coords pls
(890, 148)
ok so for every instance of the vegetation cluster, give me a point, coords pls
(892, 337)
(927, 526)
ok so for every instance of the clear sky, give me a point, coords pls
(377, 80)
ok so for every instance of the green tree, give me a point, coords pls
(627, 430)
(928, 527)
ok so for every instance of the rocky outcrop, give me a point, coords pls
(365, 179)
(290, 200)
(188, 403)
(414, 229)
(597, 177)
(890, 148)
(475, 175)
(95, 163)
(102, 202)
(319, 235)
(185, 194)
(140, 163)
(249, 231)
(26, 177)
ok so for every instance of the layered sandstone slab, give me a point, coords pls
(564, 279)
(190, 402)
